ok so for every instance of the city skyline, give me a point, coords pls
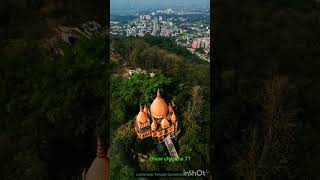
(132, 5)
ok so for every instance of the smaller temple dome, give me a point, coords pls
(153, 125)
(164, 123)
(173, 118)
(142, 117)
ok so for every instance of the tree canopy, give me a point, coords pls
(52, 110)
(267, 56)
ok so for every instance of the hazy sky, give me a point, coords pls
(135, 4)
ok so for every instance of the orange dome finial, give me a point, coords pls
(145, 109)
(173, 104)
(170, 108)
(99, 149)
(173, 118)
(140, 107)
(158, 93)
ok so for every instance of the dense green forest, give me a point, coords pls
(52, 111)
(266, 94)
(180, 78)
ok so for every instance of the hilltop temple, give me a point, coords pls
(157, 122)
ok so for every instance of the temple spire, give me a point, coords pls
(99, 149)
(158, 93)
(172, 104)
(145, 110)
(140, 107)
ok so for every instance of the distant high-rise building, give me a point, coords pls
(201, 43)
(155, 27)
(147, 17)
(160, 18)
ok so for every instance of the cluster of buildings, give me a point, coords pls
(169, 23)
(147, 24)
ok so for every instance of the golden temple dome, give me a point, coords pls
(142, 117)
(164, 123)
(173, 118)
(159, 107)
(153, 125)
(99, 169)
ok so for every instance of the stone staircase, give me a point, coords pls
(170, 146)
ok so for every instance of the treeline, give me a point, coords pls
(266, 118)
(162, 43)
(149, 53)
